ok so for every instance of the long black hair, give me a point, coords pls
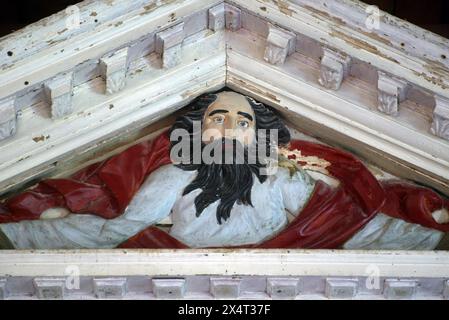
(229, 183)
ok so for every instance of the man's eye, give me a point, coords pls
(218, 120)
(243, 124)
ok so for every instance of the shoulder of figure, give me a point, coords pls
(170, 172)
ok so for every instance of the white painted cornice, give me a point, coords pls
(107, 80)
(262, 262)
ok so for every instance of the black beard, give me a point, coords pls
(229, 183)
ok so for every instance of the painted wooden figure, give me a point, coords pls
(233, 200)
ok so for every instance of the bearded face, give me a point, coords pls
(225, 143)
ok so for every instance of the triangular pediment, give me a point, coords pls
(101, 74)
(86, 83)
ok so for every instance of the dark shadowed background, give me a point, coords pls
(432, 15)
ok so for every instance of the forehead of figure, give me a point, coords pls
(233, 103)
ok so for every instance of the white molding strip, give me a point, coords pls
(223, 262)
(223, 45)
(147, 287)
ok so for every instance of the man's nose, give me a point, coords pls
(229, 124)
(230, 133)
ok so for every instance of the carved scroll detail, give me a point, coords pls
(216, 16)
(58, 92)
(334, 68)
(387, 103)
(232, 18)
(169, 45)
(331, 78)
(280, 44)
(391, 91)
(113, 70)
(440, 127)
(440, 124)
(7, 118)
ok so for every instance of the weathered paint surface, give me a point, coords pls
(209, 60)
(394, 40)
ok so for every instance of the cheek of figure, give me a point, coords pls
(231, 117)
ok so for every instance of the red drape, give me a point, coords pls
(104, 189)
(331, 216)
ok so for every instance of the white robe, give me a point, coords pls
(161, 195)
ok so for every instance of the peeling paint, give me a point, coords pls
(152, 6)
(356, 43)
(432, 79)
(41, 138)
(439, 73)
(24, 158)
(322, 14)
(190, 94)
(256, 90)
(5, 67)
(51, 42)
(360, 44)
(389, 58)
(437, 67)
(376, 37)
(283, 7)
(209, 32)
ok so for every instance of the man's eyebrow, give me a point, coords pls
(247, 115)
(217, 111)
